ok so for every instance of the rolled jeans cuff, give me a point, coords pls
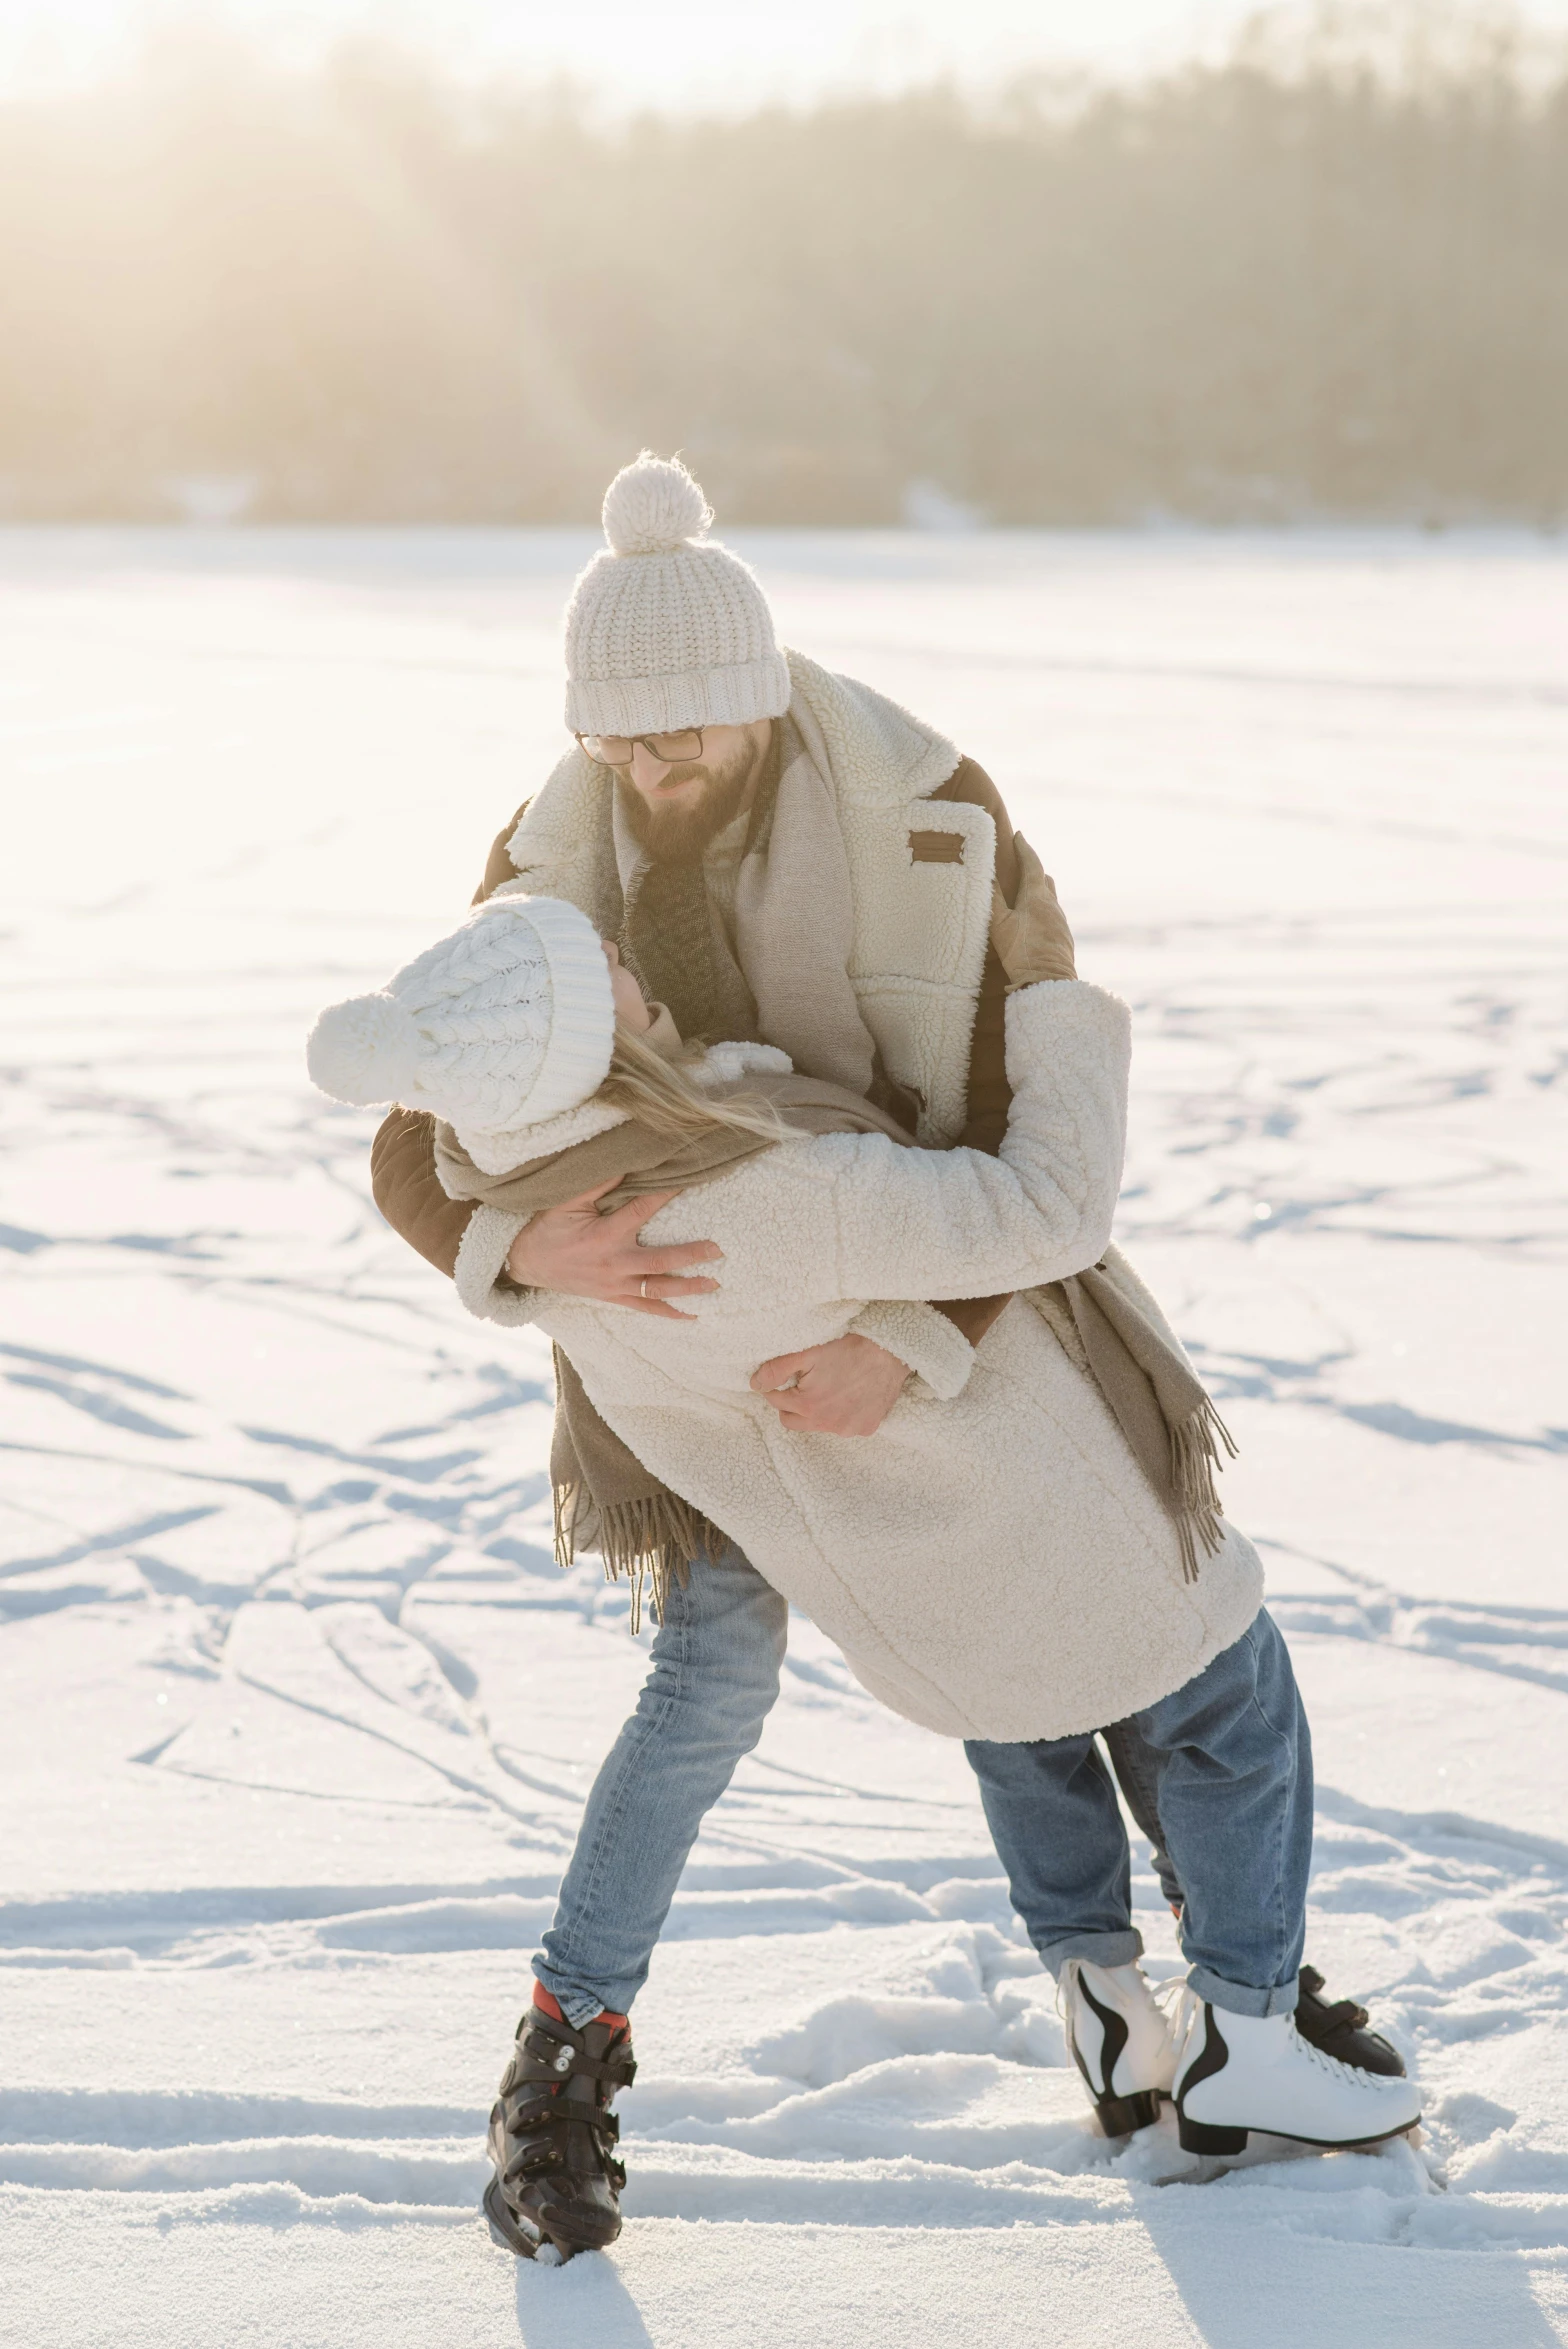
(579, 2006)
(1236, 1998)
(1101, 1949)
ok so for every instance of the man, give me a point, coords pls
(782, 855)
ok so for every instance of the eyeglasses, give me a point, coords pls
(671, 750)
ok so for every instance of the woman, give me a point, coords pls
(1028, 1548)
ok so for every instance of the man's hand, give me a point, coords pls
(1031, 935)
(845, 1389)
(577, 1252)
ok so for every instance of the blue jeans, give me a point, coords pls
(714, 1676)
(1138, 1776)
(1227, 1761)
(1227, 1757)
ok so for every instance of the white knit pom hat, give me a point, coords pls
(666, 628)
(506, 1023)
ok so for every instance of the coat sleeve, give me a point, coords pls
(941, 1223)
(406, 1188)
(403, 1177)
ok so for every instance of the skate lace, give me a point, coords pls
(1067, 1976)
(1168, 1995)
(1179, 2003)
(1345, 2074)
(1182, 2006)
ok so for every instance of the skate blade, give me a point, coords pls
(520, 2234)
(1123, 2116)
(1264, 2150)
(512, 2235)
(1261, 2153)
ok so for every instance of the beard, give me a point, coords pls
(680, 835)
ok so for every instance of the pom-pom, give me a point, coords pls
(653, 507)
(365, 1050)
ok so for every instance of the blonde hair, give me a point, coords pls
(660, 1095)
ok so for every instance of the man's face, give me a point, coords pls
(675, 811)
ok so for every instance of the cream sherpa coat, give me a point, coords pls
(993, 1562)
(920, 927)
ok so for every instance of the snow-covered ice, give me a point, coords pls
(295, 1710)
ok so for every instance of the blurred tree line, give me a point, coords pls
(1310, 279)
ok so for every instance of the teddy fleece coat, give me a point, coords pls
(925, 833)
(993, 1563)
(918, 872)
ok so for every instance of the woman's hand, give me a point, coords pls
(845, 1388)
(576, 1252)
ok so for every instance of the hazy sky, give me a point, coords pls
(663, 50)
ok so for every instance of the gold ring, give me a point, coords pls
(642, 1288)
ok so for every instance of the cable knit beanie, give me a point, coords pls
(506, 1023)
(666, 628)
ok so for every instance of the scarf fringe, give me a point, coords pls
(1195, 1460)
(647, 1541)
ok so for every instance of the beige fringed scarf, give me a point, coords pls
(1160, 1406)
(606, 1500)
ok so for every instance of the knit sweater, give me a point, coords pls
(993, 1563)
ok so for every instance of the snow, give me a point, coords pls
(295, 1710)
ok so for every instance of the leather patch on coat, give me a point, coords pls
(936, 848)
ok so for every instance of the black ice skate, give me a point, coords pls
(1341, 2030)
(557, 2184)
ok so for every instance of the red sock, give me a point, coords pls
(551, 2006)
